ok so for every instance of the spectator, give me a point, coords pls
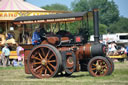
(20, 56)
(15, 63)
(112, 48)
(24, 36)
(5, 55)
(122, 50)
(127, 50)
(9, 36)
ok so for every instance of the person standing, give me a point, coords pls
(127, 52)
(20, 56)
(5, 55)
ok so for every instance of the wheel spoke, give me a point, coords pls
(102, 63)
(51, 61)
(96, 72)
(37, 67)
(47, 54)
(52, 66)
(49, 70)
(93, 68)
(42, 50)
(104, 66)
(45, 72)
(40, 56)
(50, 56)
(41, 70)
(36, 63)
(94, 65)
(33, 57)
(98, 62)
(102, 70)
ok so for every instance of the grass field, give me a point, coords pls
(16, 76)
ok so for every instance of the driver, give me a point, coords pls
(38, 35)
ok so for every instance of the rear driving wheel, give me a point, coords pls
(44, 61)
(99, 66)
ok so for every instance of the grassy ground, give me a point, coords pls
(16, 76)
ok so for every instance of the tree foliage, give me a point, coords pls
(120, 26)
(102, 28)
(108, 10)
(55, 7)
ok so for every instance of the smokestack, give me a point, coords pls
(96, 25)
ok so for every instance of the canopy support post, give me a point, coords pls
(23, 35)
(6, 25)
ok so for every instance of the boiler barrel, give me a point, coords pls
(97, 50)
(92, 49)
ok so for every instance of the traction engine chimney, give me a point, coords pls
(96, 25)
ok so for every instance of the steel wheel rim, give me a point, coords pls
(43, 62)
(99, 67)
(112, 65)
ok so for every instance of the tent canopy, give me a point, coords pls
(17, 5)
(10, 9)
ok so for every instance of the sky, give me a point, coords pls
(122, 4)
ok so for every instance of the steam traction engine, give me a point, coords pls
(62, 54)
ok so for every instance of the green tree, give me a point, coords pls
(102, 28)
(55, 7)
(120, 26)
(108, 10)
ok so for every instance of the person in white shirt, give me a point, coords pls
(112, 48)
(5, 55)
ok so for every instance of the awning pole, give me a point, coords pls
(51, 28)
(6, 31)
(23, 35)
(59, 26)
(65, 25)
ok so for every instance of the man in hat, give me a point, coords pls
(38, 35)
(36, 39)
(5, 55)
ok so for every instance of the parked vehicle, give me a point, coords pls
(64, 52)
(119, 38)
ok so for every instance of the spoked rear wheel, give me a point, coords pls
(44, 61)
(99, 66)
